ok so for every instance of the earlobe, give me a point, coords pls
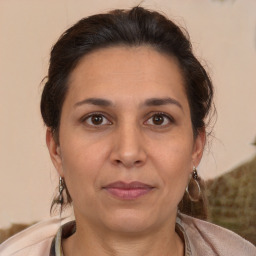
(54, 151)
(199, 147)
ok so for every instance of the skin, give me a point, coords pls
(128, 145)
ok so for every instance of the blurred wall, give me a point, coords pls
(223, 35)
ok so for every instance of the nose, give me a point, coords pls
(128, 147)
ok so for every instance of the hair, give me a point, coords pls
(134, 27)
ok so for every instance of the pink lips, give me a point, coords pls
(128, 191)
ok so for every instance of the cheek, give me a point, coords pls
(174, 154)
(81, 164)
(174, 164)
(175, 172)
(81, 154)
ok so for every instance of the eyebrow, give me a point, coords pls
(162, 101)
(148, 102)
(95, 101)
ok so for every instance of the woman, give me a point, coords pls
(125, 105)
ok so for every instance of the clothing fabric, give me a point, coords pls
(201, 238)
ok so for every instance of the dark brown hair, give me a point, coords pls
(134, 27)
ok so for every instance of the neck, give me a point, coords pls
(90, 241)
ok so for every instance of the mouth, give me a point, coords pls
(128, 191)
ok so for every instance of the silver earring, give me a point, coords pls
(194, 196)
(61, 188)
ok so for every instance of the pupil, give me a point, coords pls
(97, 119)
(158, 119)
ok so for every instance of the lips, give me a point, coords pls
(128, 191)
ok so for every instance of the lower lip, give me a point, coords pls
(128, 194)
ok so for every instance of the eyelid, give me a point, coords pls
(86, 117)
(104, 115)
(168, 116)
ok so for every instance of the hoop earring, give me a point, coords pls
(61, 188)
(195, 179)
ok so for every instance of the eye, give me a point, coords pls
(160, 119)
(96, 119)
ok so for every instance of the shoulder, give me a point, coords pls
(210, 239)
(35, 240)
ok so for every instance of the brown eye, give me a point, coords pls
(160, 119)
(96, 120)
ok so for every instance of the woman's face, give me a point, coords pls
(126, 145)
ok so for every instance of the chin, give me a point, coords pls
(129, 221)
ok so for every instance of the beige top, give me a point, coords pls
(201, 239)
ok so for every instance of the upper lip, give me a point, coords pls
(130, 185)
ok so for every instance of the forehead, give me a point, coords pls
(126, 72)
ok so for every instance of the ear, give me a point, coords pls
(54, 151)
(199, 147)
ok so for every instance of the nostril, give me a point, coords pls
(138, 162)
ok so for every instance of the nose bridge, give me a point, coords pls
(129, 149)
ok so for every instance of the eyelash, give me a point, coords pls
(166, 116)
(84, 119)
